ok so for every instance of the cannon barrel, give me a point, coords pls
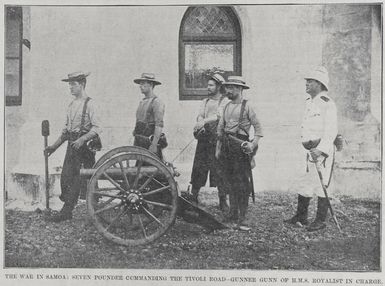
(116, 173)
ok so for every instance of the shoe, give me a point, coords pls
(61, 216)
(193, 196)
(297, 220)
(241, 225)
(302, 212)
(322, 210)
(62, 198)
(316, 225)
(244, 228)
(64, 214)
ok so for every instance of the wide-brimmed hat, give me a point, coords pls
(147, 77)
(320, 74)
(217, 78)
(236, 80)
(76, 76)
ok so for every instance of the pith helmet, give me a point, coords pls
(320, 74)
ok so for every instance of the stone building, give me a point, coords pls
(272, 46)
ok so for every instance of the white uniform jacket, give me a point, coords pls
(319, 122)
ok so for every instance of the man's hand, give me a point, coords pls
(247, 147)
(78, 143)
(315, 153)
(199, 125)
(49, 150)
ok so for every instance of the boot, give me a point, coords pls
(243, 204)
(302, 211)
(322, 210)
(223, 206)
(64, 214)
(241, 224)
(61, 197)
(194, 195)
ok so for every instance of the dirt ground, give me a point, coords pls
(30, 241)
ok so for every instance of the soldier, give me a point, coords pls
(205, 131)
(234, 147)
(149, 117)
(82, 124)
(319, 130)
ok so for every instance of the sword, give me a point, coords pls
(252, 183)
(318, 167)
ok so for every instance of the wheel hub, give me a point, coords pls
(133, 198)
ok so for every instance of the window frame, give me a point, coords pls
(9, 99)
(236, 40)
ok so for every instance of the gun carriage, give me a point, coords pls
(133, 198)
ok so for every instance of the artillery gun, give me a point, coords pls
(133, 198)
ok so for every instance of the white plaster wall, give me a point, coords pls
(375, 104)
(280, 44)
(117, 44)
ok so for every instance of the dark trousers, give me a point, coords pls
(144, 142)
(238, 172)
(70, 181)
(164, 197)
(206, 165)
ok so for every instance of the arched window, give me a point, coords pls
(209, 36)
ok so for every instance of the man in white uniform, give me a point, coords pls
(319, 130)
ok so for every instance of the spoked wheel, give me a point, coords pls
(132, 198)
(120, 150)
